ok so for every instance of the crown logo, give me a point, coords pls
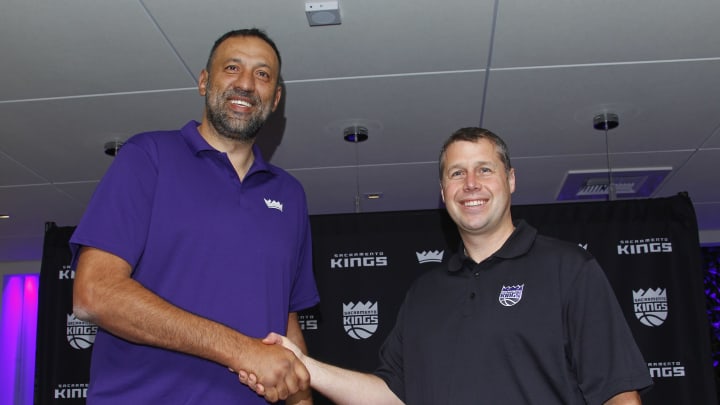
(657, 294)
(360, 307)
(273, 204)
(431, 256)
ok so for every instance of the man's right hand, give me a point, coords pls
(251, 379)
(273, 371)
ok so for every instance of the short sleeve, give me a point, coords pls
(390, 369)
(603, 351)
(117, 217)
(304, 293)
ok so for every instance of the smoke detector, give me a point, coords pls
(322, 13)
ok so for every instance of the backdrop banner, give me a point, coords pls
(63, 342)
(365, 262)
(648, 248)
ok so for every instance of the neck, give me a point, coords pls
(479, 247)
(238, 152)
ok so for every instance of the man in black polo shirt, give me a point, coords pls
(518, 318)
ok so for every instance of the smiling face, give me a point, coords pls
(241, 87)
(476, 188)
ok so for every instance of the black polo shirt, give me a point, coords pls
(535, 323)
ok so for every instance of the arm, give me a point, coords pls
(625, 398)
(342, 386)
(105, 294)
(294, 333)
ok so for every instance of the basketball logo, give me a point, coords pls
(81, 342)
(651, 307)
(80, 334)
(511, 295)
(360, 320)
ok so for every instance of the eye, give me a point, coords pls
(456, 174)
(232, 68)
(486, 170)
(263, 74)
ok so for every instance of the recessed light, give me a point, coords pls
(113, 147)
(4, 216)
(355, 134)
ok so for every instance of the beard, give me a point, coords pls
(231, 126)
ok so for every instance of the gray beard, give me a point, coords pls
(229, 127)
(235, 129)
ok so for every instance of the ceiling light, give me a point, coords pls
(112, 147)
(606, 121)
(355, 134)
(373, 196)
(322, 12)
(4, 216)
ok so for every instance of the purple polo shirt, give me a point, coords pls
(235, 252)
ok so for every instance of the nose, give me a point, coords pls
(471, 182)
(245, 80)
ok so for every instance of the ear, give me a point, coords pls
(442, 193)
(278, 95)
(203, 82)
(511, 180)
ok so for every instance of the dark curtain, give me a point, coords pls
(63, 342)
(365, 262)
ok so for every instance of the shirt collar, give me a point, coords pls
(518, 244)
(198, 144)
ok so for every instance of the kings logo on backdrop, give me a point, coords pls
(650, 306)
(80, 334)
(307, 321)
(430, 256)
(357, 260)
(644, 246)
(360, 320)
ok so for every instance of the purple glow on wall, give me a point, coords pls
(17, 338)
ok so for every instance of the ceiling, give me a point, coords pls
(77, 74)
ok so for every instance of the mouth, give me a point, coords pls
(241, 103)
(474, 203)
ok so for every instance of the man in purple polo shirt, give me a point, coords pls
(193, 248)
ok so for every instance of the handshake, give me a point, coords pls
(281, 371)
(290, 373)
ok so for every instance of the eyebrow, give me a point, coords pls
(242, 62)
(476, 163)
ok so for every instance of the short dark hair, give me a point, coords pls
(474, 134)
(246, 32)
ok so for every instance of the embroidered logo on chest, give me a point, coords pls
(511, 295)
(273, 204)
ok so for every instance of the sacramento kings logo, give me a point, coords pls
(431, 256)
(510, 296)
(360, 320)
(651, 306)
(80, 334)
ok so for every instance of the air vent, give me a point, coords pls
(595, 184)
